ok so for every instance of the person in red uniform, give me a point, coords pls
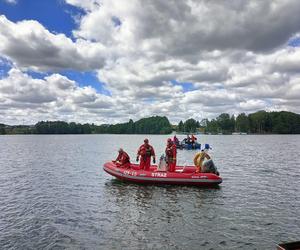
(175, 140)
(144, 153)
(171, 153)
(194, 139)
(123, 159)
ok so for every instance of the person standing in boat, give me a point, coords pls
(144, 153)
(175, 140)
(171, 153)
(123, 159)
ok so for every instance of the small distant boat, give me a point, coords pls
(183, 175)
(289, 246)
(189, 146)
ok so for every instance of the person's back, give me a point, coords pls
(202, 165)
(209, 167)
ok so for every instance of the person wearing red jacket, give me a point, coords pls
(123, 159)
(144, 153)
(194, 139)
(171, 153)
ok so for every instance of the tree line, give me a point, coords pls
(150, 125)
(260, 122)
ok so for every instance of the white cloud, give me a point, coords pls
(30, 46)
(11, 1)
(223, 59)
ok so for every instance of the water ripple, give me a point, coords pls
(54, 195)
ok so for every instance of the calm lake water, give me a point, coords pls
(55, 195)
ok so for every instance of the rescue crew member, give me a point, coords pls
(194, 139)
(144, 153)
(123, 159)
(200, 157)
(171, 153)
(175, 140)
(188, 140)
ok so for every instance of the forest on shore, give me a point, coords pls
(260, 122)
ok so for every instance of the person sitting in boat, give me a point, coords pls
(123, 159)
(207, 166)
(187, 140)
(200, 157)
(171, 153)
(144, 153)
(194, 139)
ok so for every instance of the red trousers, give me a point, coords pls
(172, 166)
(145, 163)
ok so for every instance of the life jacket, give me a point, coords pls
(149, 151)
(146, 151)
(170, 150)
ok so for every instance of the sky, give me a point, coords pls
(108, 61)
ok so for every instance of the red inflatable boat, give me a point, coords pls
(182, 175)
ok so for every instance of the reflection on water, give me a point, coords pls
(54, 194)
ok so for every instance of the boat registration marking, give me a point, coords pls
(199, 177)
(158, 174)
(132, 173)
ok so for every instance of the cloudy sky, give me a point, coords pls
(105, 61)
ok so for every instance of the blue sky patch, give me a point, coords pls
(187, 86)
(55, 15)
(87, 79)
(294, 42)
(5, 66)
(36, 75)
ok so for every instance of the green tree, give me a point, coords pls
(225, 123)
(242, 123)
(190, 125)
(180, 126)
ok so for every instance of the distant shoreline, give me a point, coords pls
(177, 134)
(260, 122)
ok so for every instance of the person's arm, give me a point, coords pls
(138, 154)
(207, 156)
(118, 158)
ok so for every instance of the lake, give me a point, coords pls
(54, 194)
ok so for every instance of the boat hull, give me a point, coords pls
(182, 175)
